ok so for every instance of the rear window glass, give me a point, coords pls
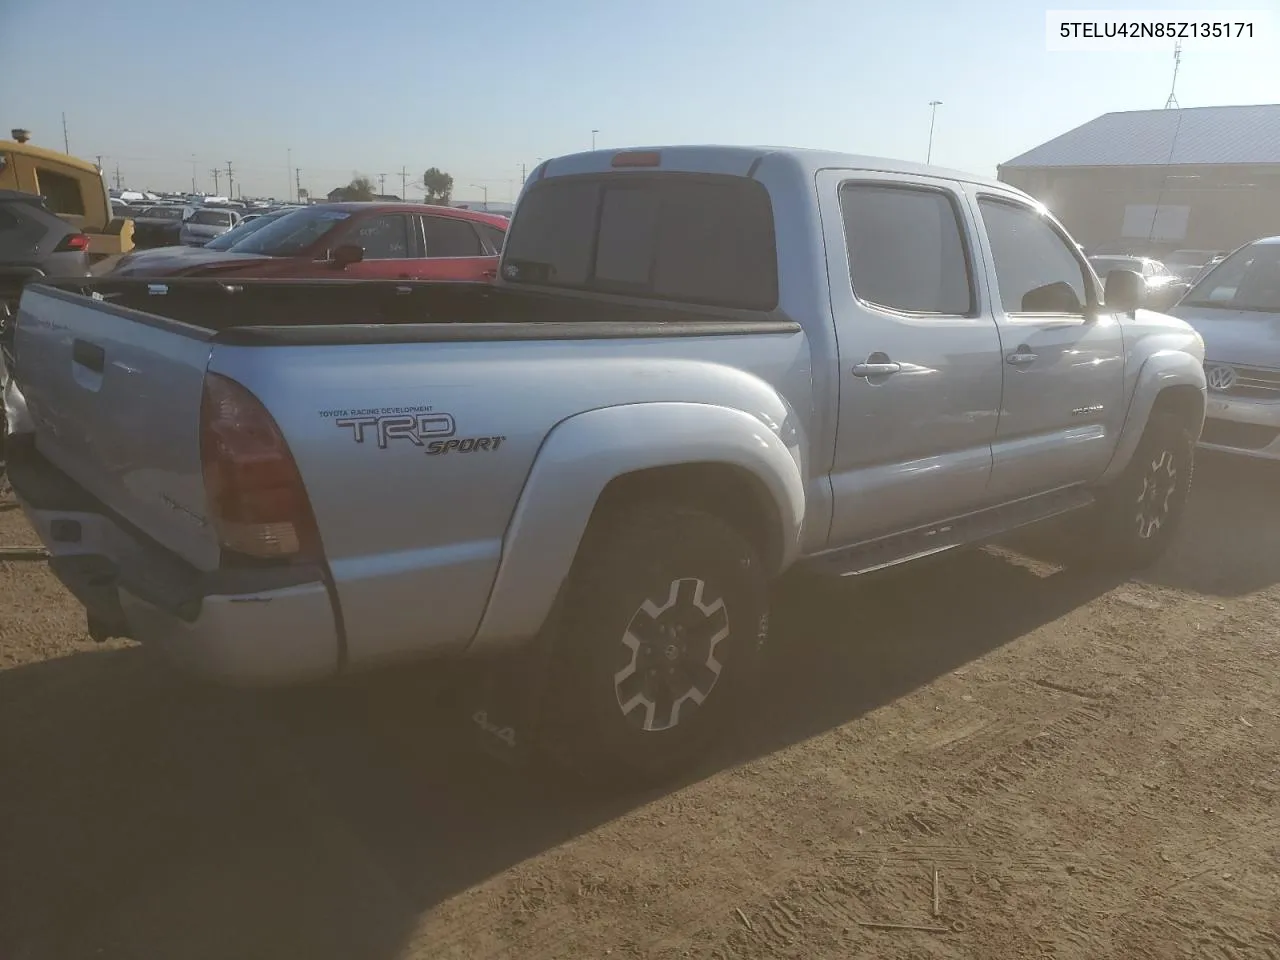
(690, 239)
(61, 192)
(211, 218)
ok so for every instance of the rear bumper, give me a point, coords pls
(244, 626)
(1243, 427)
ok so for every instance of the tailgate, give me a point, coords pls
(114, 395)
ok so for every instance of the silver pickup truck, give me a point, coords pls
(700, 367)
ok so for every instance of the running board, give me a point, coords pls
(970, 530)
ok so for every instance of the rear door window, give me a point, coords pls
(676, 237)
(383, 238)
(906, 248)
(451, 237)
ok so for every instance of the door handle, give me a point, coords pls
(1021, 357)
(89, 355)
(875, 369)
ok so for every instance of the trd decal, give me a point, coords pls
(464, 445)
(434, 432)
(416, 428)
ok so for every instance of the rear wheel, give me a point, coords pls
(1139, 514)
(663, 632)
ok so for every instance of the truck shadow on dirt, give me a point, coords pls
(146, 816)
(1229, 544)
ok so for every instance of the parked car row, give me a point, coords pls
(389, 241)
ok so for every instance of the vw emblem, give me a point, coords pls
(1220, 378)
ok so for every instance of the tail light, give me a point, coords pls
(255, 494)
(72, 241)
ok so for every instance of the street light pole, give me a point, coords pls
(933, 113)
(476, 186)
(593, 138)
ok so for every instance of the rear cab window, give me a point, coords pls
(676, 237)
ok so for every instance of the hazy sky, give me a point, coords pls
(478, 89)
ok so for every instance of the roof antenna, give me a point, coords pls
(1172, 102)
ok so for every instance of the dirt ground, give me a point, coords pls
(1092, 768)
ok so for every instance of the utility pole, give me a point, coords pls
(216, 173)
(66, 142)
(230, 182)
(193, 173)
(117, 175)
(933, 113)
(297, 182)
(404, 183)
(99, 164)
(524, 176)
(593, 138)
(382, 184)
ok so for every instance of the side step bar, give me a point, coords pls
(969, 530)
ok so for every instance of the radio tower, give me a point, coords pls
(1172, 102)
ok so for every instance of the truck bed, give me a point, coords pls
(316, 312)
(413, 413)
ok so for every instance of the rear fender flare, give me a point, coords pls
(578, 460)
(1161, 370)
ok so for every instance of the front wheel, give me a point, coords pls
(1139, 514)
(663, 633)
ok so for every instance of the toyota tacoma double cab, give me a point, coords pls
(699, 368)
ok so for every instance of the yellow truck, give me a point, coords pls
(73, 189)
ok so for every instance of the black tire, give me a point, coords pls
(692, 664)
(1139, 514)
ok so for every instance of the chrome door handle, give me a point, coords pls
(875, 369)
(1022, 358)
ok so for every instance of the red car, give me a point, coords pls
(361, 241)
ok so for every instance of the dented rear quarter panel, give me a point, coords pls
(414, 531)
